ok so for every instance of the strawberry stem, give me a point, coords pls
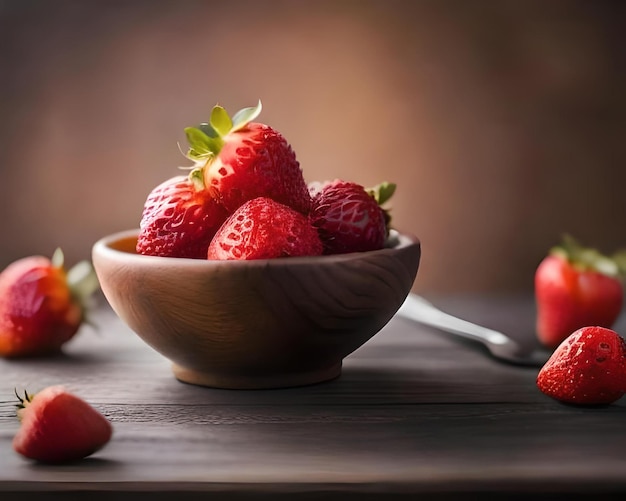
(382, 193)
(58, 259)
(587, 258)
(207, 139)
(245, 116)
(23, 402)
(620, 259)
(196, 176)
(220, 121)
(82, 281)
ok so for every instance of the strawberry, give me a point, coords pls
(57, 426)
(588, 368)
(576, 287)
(349, 217)
(179, 218)
(242, 160)
(42, 306)
(264, 229)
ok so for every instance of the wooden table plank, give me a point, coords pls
(414, 411)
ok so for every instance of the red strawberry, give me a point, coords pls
(575, 287)
(179, 219)
(588, 368)
(59, 427)
(42, 306)
(264, 229)
(350, 218)
(242, 160)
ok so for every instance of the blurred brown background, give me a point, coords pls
(503, 122)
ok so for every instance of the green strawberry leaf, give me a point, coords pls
(601, 263)
(198, 142)
(620, 259)
(383, 192)
(586, 258)
(196, 176)
(82, 280)
(208, 129)
(58, 258)
(207, 139)
(202, 147)
(245, 116)
(220, 121)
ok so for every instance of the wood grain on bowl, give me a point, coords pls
(256, 324)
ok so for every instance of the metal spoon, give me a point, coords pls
(502, 347)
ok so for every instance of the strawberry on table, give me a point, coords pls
(242, 160)
(264, 229)
(349, 217)
(179, 218)
(57, 427)
(588, 368)
(576, 287)
(41, 305)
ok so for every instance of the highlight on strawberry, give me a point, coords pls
(58, 427)
(577, 286)
(587, 368)
(236, 161)
(42, 306)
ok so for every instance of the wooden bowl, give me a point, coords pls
(256, 324)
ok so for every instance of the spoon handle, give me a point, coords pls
(420, 310)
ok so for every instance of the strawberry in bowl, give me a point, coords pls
(263, 229)
(349, 217)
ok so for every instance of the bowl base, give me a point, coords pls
(259, 382)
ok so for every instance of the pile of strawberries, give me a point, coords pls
(245, 197)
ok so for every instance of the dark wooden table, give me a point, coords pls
(416, 413)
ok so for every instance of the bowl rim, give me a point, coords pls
(104, 247)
